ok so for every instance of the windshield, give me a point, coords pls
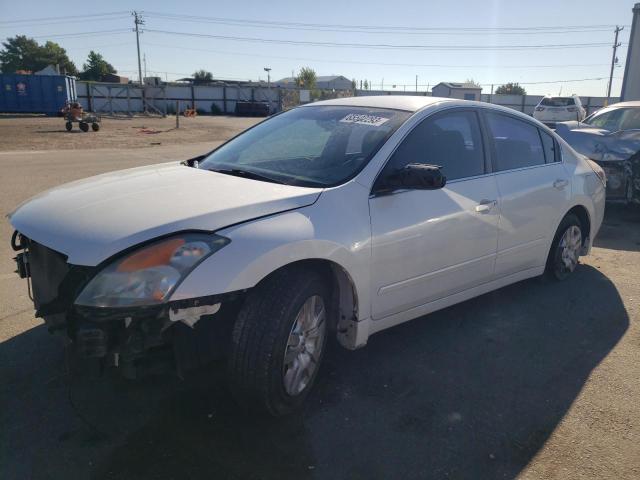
(558, 101)
(615, 119)
(310, 146)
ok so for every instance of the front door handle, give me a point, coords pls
(485, 206)
(560, 183)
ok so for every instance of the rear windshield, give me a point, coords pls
(309, 146)
(558, 101)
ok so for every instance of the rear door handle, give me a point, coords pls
(485, 206)
(560, 183)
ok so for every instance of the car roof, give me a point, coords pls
(413, 103)
(410, 103)
(635, 103)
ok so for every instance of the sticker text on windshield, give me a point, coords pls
(362, 119)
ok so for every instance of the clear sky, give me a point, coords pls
(491, 42)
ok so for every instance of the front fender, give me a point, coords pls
(329, 230)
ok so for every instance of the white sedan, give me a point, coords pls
(340, 218)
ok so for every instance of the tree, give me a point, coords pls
(23, 53)
(472, 82)
(366, 85)
(202, 76)
(306, 78)
(96, 67)
(510, 89)
(354, 84)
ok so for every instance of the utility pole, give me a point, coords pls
(137, 19)
(613, 60)
(144, 61)
(416, 83)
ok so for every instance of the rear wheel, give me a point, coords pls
(95, 126)
(84, 126)
(278, 341)
(68, 126)
(566, 247)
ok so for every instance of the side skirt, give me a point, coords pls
(364, 328)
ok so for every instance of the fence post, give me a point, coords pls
(177, 113)
(524, 98)
(89, 99)
(224, 99)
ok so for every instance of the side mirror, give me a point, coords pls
(414, 176)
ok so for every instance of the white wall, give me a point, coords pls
(631, 82)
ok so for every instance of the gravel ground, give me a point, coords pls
(48, 133)
(535, 381)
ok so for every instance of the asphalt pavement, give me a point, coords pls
(537, 380)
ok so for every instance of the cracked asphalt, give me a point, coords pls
(539, 380)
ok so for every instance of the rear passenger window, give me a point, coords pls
(450, 140)
(517, 142)
(549, 147)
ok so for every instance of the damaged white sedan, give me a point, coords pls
(337, 219)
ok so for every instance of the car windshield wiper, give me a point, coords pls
(238, 172)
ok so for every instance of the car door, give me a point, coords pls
(428, 244)
(534, 191)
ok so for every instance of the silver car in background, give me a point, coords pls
(611, 138)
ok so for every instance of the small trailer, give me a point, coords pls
(73, 112)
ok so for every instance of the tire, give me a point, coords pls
(68, 126)
(565, 249)
(84, 126)
(265, 331)
(95, 126)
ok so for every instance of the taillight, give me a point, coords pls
(572, 109)
(539, 109)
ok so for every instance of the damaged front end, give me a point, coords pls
(623, 176)
(165, 336)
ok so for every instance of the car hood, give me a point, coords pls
(599, 144)
(90, 220)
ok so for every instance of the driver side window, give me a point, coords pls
(450, 140)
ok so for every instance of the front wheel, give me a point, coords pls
(84, 126)
(566, 247)
(278, 341)
(68, 126)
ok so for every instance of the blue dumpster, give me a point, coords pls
(35, 93)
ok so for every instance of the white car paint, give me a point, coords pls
(90, 220)
(404, 255)
(550, 115)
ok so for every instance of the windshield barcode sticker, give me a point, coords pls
(372, 120)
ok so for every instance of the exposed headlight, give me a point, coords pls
(148, 276)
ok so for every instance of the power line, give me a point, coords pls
(375, 30)
(375, 27)
(68, 18)
(60, 22)
(382, 45)
(85, 34)
(357, 62)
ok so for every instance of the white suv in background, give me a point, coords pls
(551, 110)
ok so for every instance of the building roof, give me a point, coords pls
(465, 85)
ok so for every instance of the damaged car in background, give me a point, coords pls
(611, 138)
(335, 219)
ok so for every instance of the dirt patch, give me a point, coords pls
(45, 133)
